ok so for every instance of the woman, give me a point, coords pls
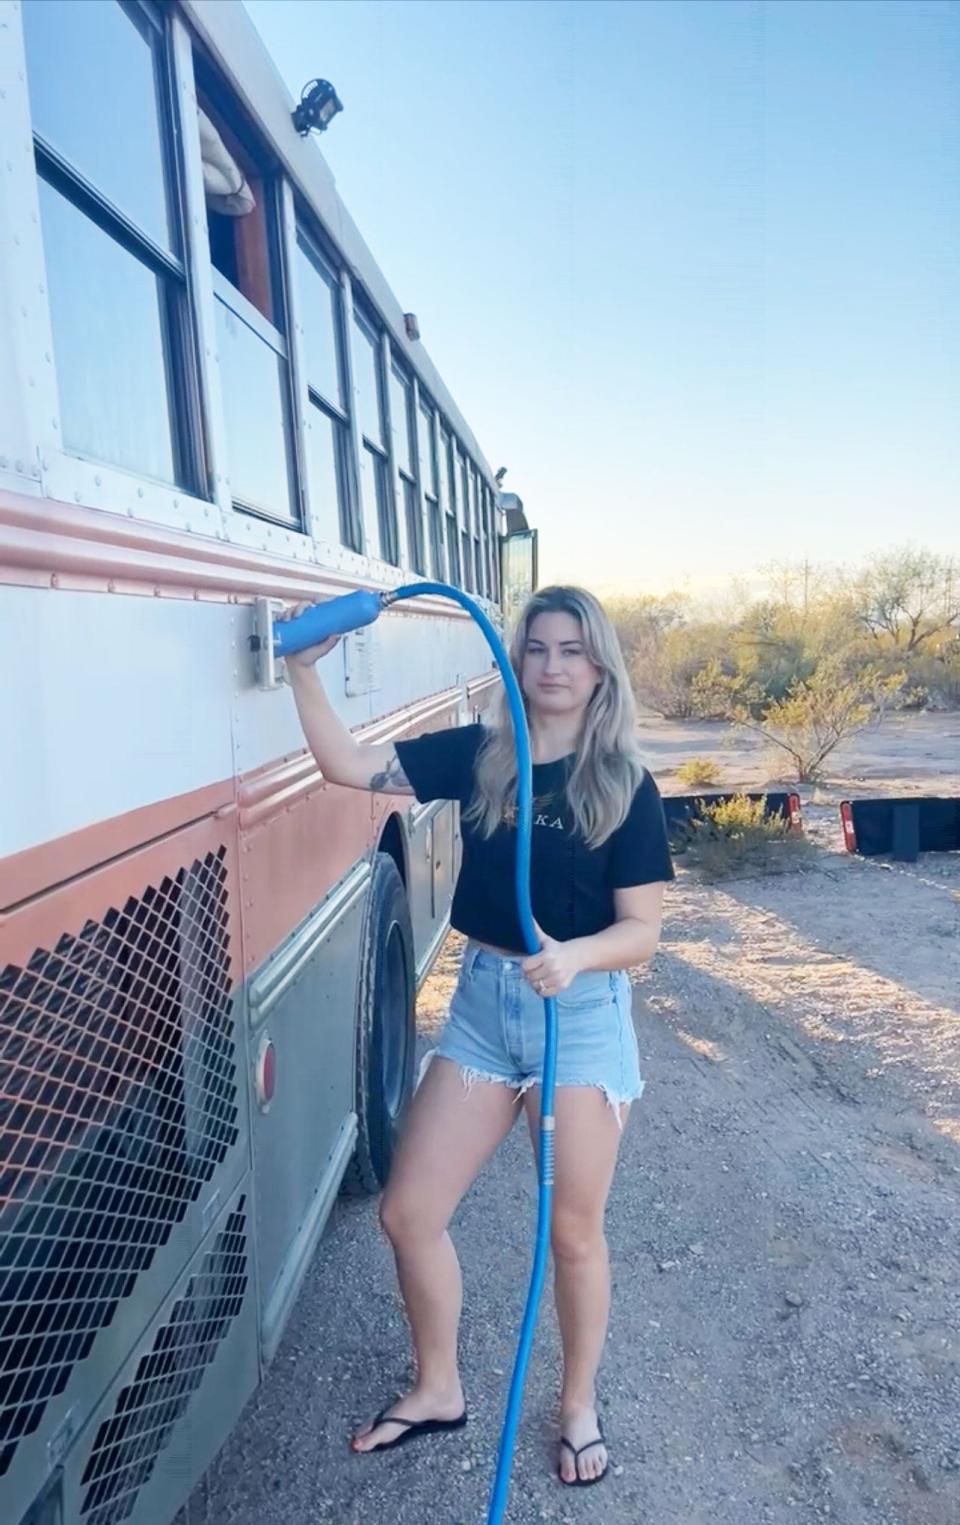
(599, 863)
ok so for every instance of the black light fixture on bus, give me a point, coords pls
(319, 104)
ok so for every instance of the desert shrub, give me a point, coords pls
(836, 702)
(666, 671)
(897, 614)
(734, 837)
(699, 773)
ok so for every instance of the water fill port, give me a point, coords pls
(268, 669)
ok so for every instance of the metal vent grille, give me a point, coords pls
(129, 1442)
(117, 1102)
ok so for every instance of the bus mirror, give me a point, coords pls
(518, 571)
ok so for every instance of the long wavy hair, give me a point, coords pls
(607, 768)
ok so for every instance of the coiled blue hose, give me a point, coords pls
(335, 617)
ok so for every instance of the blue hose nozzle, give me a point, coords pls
(335, 616)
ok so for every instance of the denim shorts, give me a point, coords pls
(495, 1029)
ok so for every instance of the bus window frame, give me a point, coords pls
(448, 499)
(434, 543)
(171, 266)
(300, 231)
(467, 569)
(212, 90)
(411, 557)
(364, 316)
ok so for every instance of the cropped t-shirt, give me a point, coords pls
(572, 884)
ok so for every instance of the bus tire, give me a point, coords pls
(386, 1028)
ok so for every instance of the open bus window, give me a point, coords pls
(237, 213)
(239, 191)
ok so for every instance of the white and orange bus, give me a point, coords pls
(208, 956)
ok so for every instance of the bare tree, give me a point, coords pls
(908, 597)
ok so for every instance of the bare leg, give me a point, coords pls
(587, 1141)
(448, 1135)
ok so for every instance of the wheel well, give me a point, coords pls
(392, 842)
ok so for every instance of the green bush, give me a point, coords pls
(699, 773)
(735, 837)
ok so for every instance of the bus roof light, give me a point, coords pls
(319, 104)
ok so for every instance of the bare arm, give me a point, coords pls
(342, 759)
(633, 937)
(631, 940)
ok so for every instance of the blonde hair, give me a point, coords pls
(607, 768)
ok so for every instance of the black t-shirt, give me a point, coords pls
(572, 884)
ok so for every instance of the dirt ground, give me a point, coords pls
(784, 1225)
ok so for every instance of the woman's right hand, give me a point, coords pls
(309, 654)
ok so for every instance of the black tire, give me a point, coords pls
(386, 1028)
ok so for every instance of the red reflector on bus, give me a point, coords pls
(849, 833)
(266, 1079)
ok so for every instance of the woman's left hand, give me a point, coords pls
(552, 969)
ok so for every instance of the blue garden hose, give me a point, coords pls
(335, 617)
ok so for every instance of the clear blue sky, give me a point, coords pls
(690, 269)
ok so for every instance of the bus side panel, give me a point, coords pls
(124, 1061)
(113, 702)
(303, 1003)
(175, 1400)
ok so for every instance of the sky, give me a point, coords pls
(690, 268)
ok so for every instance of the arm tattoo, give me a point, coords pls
(391, 780)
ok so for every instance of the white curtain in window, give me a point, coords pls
(223, 181)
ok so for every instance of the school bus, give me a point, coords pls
(209, 398)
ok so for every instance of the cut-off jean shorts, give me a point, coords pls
(495, 1029)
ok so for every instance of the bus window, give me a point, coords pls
(112, 244)
(477, 517)
(470, 579)
(448, 505)
(239, 185)
(427, 442)
(320, 317)
(405, 452)
(375, 494)
(493, 544)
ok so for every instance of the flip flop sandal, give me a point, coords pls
(578, 1481)
(412, 1429)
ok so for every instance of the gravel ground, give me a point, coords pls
(785, 1339)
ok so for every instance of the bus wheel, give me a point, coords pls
(386, 1029)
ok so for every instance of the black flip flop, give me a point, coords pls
(578, 1481)
(413, 1428)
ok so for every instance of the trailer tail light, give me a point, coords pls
(849, 831)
